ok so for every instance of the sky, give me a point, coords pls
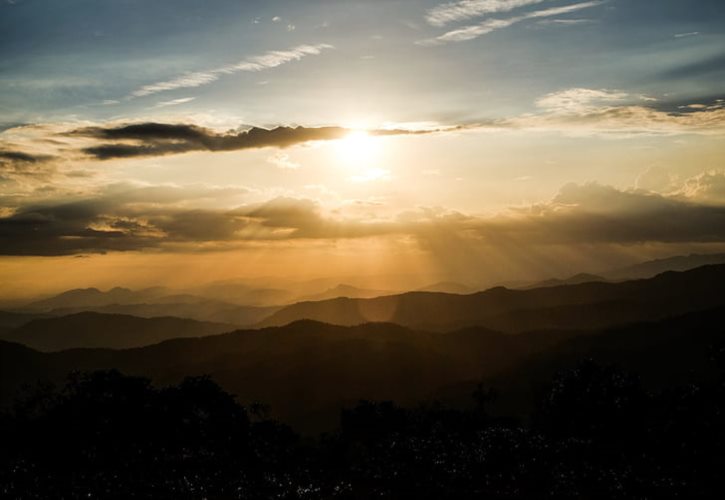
(177, 141)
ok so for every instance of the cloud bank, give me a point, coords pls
(580, 214)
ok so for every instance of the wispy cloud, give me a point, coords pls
(468, 9)
(262, 62)
(613, 113)
(283, 161)
(566, 22)
(577, 100)
(685, 35)
(476, 30)
(175, 102)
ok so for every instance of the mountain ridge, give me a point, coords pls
(96, 330)
(439, 311)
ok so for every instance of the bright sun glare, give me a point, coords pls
(360, 152)
(358, 149)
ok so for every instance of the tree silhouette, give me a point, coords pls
(596, 434)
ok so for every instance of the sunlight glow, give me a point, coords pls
(358, 149)
(360, 153)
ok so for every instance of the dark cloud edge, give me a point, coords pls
(588, 214)
(161, 139)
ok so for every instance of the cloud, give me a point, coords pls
(489, 25)
(566, 22)
(577, 100)
(580, 111)
(685, 35)
(157, 139)
(120, 218)
(655, 179)
(124, 219)
(175, 102)
(19, 157)
(16, 164)
(468, 9)
(595, 214)
(262, 62)
(707, 187)
(282, 160)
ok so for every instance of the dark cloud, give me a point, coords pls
(157, 139)
(593, 213)
(61, 230)
(589, 214)
(20, 157)
(19, 164)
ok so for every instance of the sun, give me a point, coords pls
(358, 149)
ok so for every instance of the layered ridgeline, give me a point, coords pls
(149, 303)
(586, 305)
(308, 371)
(443, 345)
(592, 305)
(115, 331)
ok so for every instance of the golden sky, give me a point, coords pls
(476, 141)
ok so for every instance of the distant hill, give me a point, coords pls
(244, 294)
(567, 306)
(209, 310)
(14, 319)
(218, 296)
(577, 279)
(448, 287)
(115, 331)
(345, 291)
(654, 267)
(93, 297)
(307, 370)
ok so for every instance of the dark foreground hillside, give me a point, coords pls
(317, 411)
(595, 433)
(307, 370)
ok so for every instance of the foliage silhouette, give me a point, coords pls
(596, 433)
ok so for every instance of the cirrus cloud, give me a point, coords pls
(253, 64)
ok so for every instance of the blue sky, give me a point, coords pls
(63, 59)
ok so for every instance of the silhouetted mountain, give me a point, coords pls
(93, 297)
(655, 267)
(569, 306)
(307, 370)
(448, 287)
(14, 319)
(572, 280)
(205, 310)
(665, 353)
(244, 294)
(94, 330)
(345, 291)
